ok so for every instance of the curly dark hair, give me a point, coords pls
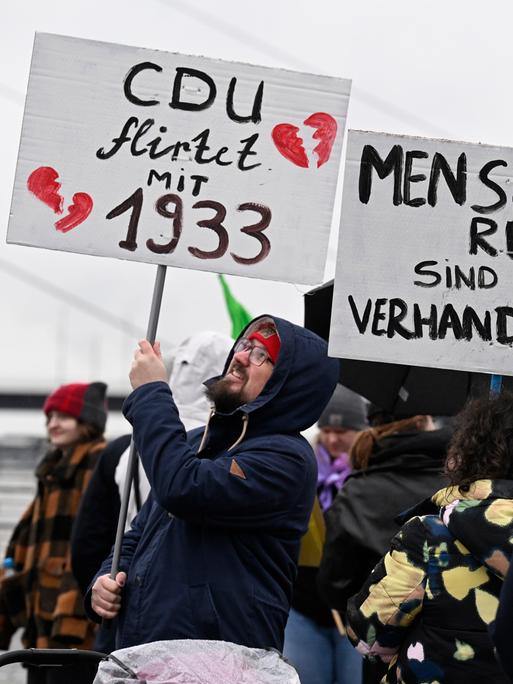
(482, 444)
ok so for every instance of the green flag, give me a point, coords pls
(239, 316)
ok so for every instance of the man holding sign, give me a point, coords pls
(213, 553)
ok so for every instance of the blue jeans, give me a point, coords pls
(320, 654)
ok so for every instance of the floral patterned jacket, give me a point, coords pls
(428, 603)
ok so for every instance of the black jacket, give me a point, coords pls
(404, 469)
(502, 629)
(94, 529)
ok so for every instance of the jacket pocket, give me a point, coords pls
(267, 620)
(204, 611)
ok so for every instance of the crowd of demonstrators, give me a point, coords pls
(196, 359)
(217, 541)
(219, 510)
(427, 606)
(396, 463)
(42, 596)
(313, 642)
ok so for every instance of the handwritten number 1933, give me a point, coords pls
(170, 206)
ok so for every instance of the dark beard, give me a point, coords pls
(224, 400)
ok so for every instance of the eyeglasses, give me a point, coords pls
(257, 355)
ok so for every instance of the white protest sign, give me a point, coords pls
(425, 260)
(177, 160)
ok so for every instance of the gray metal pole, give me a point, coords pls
(132, 456)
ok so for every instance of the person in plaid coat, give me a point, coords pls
(42, 596)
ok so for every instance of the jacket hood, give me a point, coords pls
(482, 520)
(302, 382)
(196, 359)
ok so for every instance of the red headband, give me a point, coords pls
(270, 339)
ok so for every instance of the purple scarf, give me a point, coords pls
(332, 474)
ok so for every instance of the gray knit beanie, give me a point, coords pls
(345, 409)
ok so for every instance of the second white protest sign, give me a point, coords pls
(425, 262)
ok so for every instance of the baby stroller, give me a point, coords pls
(170, 662)
(66, 659)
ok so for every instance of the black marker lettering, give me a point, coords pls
(421, 270)
(477, 240)
(178, 147)
(431, 321)
(361, 322)
(483, 177)
(127, 86)
(481, 280)
(119, 141)
(160, 177)
(503, 312)
(412, 178)
(450, 319)
(202, 147)
(460, 277)
(246, 152)
(371, 160)
(145, 127)
(396, 313)
(378, 316)
(471, 319)
(509, 239)
(176, 103)
(256, 114)
(198, 180)
(457, 185)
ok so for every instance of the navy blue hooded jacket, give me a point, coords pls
(213, 552)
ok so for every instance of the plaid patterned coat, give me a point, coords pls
(43, 596)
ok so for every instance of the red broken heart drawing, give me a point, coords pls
(290, 145)
(43, 184)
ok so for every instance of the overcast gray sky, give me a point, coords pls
(435, 69)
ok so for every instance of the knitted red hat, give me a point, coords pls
(269, 337)
(85, 402)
